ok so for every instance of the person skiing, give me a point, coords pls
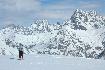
(20, 51)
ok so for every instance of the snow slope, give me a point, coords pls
(43, 62)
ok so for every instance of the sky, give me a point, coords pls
(25, 12)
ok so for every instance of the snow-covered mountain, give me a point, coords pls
(83, 35)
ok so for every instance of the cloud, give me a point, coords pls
(55, 14)
(7, 22)
(20, 5)
(64, 9)
(59, 10)
(89, 5)
(18, 11)
(23, 11)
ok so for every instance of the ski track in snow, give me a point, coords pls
(47, 62)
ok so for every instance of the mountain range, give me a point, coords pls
(82, 35)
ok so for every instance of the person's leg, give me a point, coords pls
(22, 54)
(19, 54)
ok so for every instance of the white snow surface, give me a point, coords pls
(48, 62)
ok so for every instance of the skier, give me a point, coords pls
(20, 51)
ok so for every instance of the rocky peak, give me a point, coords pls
(40, 25)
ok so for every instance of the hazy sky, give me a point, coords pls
(24, 12)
